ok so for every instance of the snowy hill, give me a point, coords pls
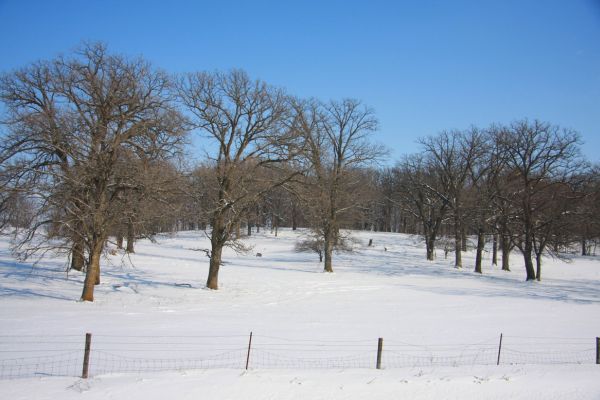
(441, 326)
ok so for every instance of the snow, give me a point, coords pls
(314, 334)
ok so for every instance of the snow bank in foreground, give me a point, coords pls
(524, 382)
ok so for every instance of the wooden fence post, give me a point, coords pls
(499, 350)
(86, 355)
(379, 351)
(248, 354)
(598, 350)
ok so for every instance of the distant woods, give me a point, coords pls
(95, 155)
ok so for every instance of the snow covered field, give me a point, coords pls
(315, 334)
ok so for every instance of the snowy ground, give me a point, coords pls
(310, 329)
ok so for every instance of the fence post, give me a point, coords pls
(248, 355)
(598, 350)
(86, 355)
(379, 351)
(499, 350)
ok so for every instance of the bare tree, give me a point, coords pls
(247, 122)
(423, 195)
(584, 224)
(71, 120)
(452, 154)
(538, 156)
(337, 144)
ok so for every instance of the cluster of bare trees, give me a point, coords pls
(84, 136)
(92, 149)
(91, 145)
(523, 185)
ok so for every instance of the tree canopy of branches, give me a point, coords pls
(90, 140)
(337, 145)
(539, 158)
(248, 123)
(452, 155)
(423, 195)
(70, 122)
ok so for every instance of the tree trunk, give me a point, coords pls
(92, 276)
(294, 216)
(495, 249)
(457, 242)
(584, 247)
(328, 253)
(429, 244)
(527, 253)
(215, 262)
(130, 237)
(458, 251)
(480, 245)
(249, 229)
(119, 241)
(77, 255)
(464, 238)
(217, 241)
(538, 264)
(505, 246)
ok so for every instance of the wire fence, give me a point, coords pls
(29, 356)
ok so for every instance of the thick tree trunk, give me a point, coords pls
(249, 229)
(92, 276)
(457, 245)
(584, 247)
(328, 253)
(505, 246)
(527, 254)
(119, 241)
(538, 264)
(217, 241)
(77, 255)
(130, 237)
(430, 245)
(215, 262)
(480, 245)
(495, 249)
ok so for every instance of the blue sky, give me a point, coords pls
(424, 66)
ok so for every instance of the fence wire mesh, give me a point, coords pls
(30, 356)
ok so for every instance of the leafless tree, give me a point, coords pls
(70, 121)
(538, 156)
(452, 154)
(337, 144)
(422, 194)
(247, 122)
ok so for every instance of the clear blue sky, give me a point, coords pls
(424, 66)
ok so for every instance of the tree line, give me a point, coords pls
(95, 151)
